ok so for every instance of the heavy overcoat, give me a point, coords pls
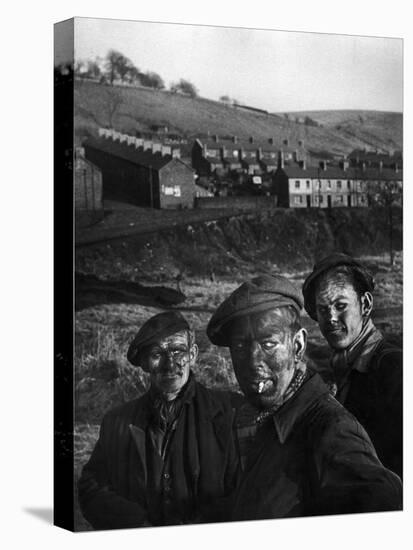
(312, 457)
(128, 483)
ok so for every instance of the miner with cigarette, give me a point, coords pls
(302, 452)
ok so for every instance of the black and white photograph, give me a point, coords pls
(237, 274)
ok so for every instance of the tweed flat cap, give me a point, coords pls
(329, 262)
(258, 295)
(158, 326)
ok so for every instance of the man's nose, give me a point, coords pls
(332, 315)
(168, 360)
(255, 354)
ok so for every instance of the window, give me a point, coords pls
(168, 190)
(338, 184)
(328, 184)
(320, 199)
(298, 199)
(297, 184)
(177, 190)
(212, 153)
(339, 199)
(308, 184)
(348, 184)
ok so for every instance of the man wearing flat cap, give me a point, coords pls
(367, 368)
(302, 453)
(167, 457)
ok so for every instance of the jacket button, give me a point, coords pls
(166, 475)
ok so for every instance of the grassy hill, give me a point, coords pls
(128, 109)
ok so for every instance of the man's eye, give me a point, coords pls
(341, 307)
(268, 346)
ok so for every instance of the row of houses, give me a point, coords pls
(325, 186)
(143, 172)
(214, 156)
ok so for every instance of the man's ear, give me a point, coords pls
(366, 304)
(300, 344)
(193, 353)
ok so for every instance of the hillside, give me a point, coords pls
(360, 124)
(128, 109)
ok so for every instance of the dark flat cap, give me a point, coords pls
(256, 296)
(158, 326)
(333, 260)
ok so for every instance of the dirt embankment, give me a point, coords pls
(283, 240)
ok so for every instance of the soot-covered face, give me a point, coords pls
(264, 351)
(340, 311)
(169, 361)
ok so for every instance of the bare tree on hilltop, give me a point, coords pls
(184, 87)
(118, 66)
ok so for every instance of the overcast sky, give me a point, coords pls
(273, 70)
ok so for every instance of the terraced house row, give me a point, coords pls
(324, 186)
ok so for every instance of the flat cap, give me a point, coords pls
(158, 326)
(329, 262)
(256, 296)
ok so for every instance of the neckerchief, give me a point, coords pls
(250, 419)
(166, 413)
(357, 356)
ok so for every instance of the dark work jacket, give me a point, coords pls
(312, 457)
(127, 483)
(375, 397)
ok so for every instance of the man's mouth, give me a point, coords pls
(263, 385)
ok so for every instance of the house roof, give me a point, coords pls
(335, 172)
(129, 152)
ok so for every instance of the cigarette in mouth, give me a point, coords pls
(260, 387)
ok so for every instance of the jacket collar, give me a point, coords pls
(291, 412)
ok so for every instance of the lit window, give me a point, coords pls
(168, 190)
(177, 190)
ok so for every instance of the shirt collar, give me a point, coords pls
(291, 412)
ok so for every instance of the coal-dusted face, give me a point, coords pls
(341, 311)
(169, 361)
(264, 351)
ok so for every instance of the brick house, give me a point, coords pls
(141, 172)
